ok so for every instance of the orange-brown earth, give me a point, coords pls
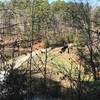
(7, 41)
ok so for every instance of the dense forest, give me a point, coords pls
(49, 51)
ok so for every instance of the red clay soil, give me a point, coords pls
(7, 40)
(36, 46)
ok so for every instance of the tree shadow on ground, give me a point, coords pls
(16, 86)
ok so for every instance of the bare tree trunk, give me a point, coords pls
(91, 55)
(92, 63)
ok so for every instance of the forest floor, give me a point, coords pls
(59, 65)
